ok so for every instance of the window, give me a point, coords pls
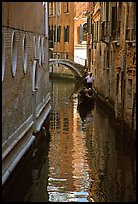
(55, 33)
(54, 9)
(24, 50)
(117, 84)
(129, 93)
(58, 8)
(51, 36)
(89, 25)
(82, 35)
(85, 32)
(66, 7)
(107, 11)
(129, 16)
(58, 33)
(14, 53)
(134, 21)
(66, 34)
(51, 8)
(95, 31)
(67, 55)
(134, 58)
(114, 21)
(119, 17)
(107, 59)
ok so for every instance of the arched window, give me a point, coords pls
(14, 53)
(82, 32)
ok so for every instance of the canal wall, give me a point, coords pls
(108, 106)
(112, 55)
(25, 80)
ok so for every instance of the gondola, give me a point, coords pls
(86, 97)
(86, 101)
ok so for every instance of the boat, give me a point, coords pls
(84, 111)
(86, 97)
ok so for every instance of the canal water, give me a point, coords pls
(83, 157)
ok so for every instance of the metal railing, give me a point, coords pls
(69, 56)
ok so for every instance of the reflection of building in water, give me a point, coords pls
(69, 170)
(61, 139)
(111, 162)
(79, 162)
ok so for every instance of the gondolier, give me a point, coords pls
(89, 79)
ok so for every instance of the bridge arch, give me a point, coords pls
(71, 65)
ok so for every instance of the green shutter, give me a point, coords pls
(64, 34)
(59, 33)
(67, 33)
(54, 33)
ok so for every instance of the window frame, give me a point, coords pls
(66, 7)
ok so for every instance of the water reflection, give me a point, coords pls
(85, 162)
(87, 159)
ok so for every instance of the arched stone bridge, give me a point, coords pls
(75, 67)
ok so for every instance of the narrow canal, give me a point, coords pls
(84, 158)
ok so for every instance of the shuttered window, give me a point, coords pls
(96, 31)
(58, 33)
(89, 25)
(54, 33)
(107, 11)
(51, 36)
(66, 34)
(114, 21)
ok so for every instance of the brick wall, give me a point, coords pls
(17, 91)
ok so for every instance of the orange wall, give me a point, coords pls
(27, 21)
(65, 19)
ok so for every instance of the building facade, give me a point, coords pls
(25, 78)
(112, 55)
(80, 32)
(61, 34)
